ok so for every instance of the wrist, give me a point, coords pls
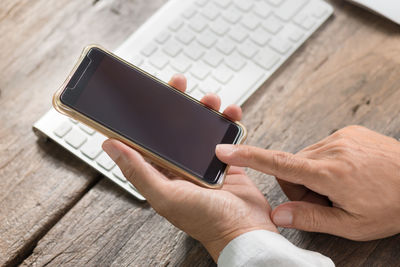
(215, 246)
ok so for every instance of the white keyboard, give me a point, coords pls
(228, 47)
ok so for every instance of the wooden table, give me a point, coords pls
(55, 210)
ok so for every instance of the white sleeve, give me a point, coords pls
(265, 248)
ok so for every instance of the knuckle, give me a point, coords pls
(345, 143)
(281, 160)
(339, 134)
(344, 132)
(310, 220)
(246, 153)
(354, 128)
(325, 172)
(314, 219)
(340, 146)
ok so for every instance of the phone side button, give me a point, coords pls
(105, 162)
(75, 138)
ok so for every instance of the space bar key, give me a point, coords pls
(240, 85)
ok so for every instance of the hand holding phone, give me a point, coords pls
(214, 217)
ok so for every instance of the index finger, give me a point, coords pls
(284, 165)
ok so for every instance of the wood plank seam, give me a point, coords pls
(26, 250)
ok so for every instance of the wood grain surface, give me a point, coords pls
(55, 210)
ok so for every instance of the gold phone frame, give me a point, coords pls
(63, 109)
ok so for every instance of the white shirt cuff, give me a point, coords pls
(265, 248)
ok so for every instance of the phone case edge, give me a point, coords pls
(63, 109)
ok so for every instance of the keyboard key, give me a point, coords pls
(250, 22)
(131, 185)
(272, 24)
(176, 24)
(200, 71)
(147, 67)
(118, 173)
(223, 3)
(248, 49)
(86, 129)
(75, 138)
(239, 34)
(237, 87)
(194, 51)
(304, 21)
(280, 45)
(213, 58)
(296, 36)
(235, 62)
(275, 2)
(92, 148)
(149, 49)
(73, 121)
(105, 161)
(163, 37)
(166, 74)
(262, 10)
(210, 86)
(197, 94)
(308, 23)
(289, 8)
(260, 37)
(137, 60)
(189, 12)
(225, 46)
(201, 2)
(172, 48)
(293, 33)
(63, 129)
(219, 27)
(191, 83)
(181, 63)
(207, 39)
(319, 10)
(266, 59)
(244, 5)
(232, 15)
(198, 23)
(222, 74)
(210, 11)
(159, 60)
(185, 36)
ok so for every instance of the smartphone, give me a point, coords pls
(167, 126)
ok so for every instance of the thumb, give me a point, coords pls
(150, 183)
(313, 218)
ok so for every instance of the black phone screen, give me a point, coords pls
(150, 113)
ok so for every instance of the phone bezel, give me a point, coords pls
(64, 109)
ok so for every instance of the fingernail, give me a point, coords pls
(283, 218)
(111, 150)
(225, 149)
